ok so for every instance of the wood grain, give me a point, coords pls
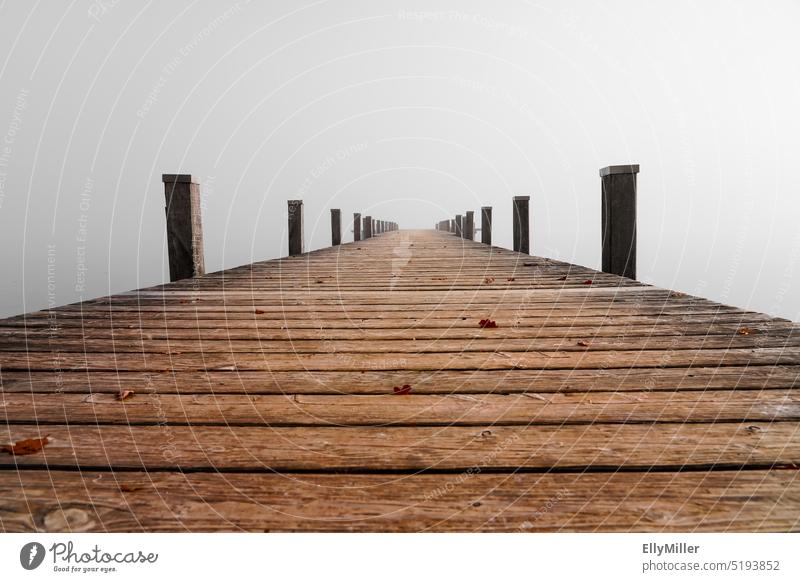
(263, 397)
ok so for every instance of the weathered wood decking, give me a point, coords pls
(264, 399)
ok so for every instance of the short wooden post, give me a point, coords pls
(469, 225)
(336, 227)
(521, 225)
(295, 227)
(459, 226)
(486, 225)
(356, 226)
(184, 226)
(451, 225)
(618, 221)
(367, 230)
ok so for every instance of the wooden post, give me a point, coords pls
(521, 225)
(356, 226)
(618, 220)
(295, 227)
(469, 225)
(486, 225)
(184, 226)
(367, 227)
(459, 226)
(451, 225)
(336, 227)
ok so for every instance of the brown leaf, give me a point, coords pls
(404, 390)
(510, 279)
(588, 282)
(746, 331)
(125, 394)
(583, 344)
(488, 280)
(259, 312)
(564, 278)
(26, 446)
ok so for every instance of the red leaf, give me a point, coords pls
(25, 446)
(404, 390)
(484, 323)
(510, 279)
(588, 282)
(583, 344)
(124, 394)
(259, 312)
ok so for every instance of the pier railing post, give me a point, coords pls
(521, 224)
(336, 227)
(184, 226)
(618, 220)
(356, 226)
(459, 226)
(486, 225)
(469, 226)
(296, 234)
(367, 230)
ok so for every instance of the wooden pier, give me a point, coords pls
(411, 381)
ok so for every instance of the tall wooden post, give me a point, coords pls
(618, 221)
(296, 234)
(451, 225)
(469, 225)
(521, 225)
(486, 225)
(336, 227)
(459, 226)
(356, 226)
(367, 230)
(184, 226)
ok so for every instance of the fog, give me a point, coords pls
(410, 112)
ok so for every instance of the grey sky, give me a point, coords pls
(408, 111)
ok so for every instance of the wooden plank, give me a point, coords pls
(412, 346)
(370, 381)
(539, 360)
(708, 501)
(408, 410)
(712, 330)
(504, 448)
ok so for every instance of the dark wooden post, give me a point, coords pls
(367, 231)
(486, 225)
(336, 227)
(521, 225)
(451, 225)
(356, 226)
(184, 226)
(469, 225)
(618, 221)
(459, 226)
(295, 227)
